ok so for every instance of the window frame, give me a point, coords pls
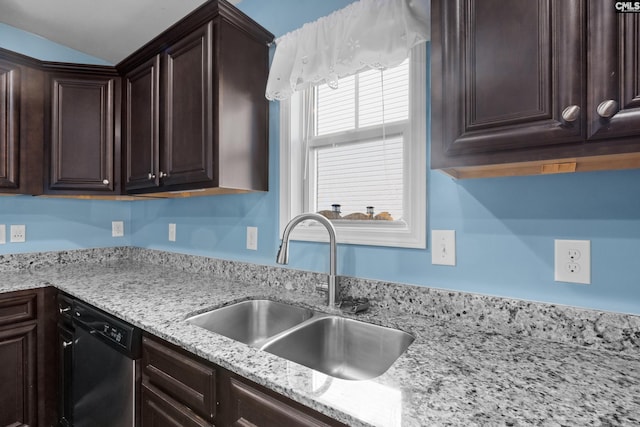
(408, 234)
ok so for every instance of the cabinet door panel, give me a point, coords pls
(188, 150)
(82, 134)
(614, 71)
(504, 86)
(17, 375)
(142, 125)
(9, 125)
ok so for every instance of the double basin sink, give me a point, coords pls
(337, 346)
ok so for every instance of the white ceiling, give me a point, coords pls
(106, 29)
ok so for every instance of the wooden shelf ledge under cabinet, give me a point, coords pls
(545, 167)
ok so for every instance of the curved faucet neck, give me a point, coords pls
(283, 253)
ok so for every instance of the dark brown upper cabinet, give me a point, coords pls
(614, 73)
(21, 123)
(142, 122)
(528, 87)
(9, 125)
(83, 148)
(195, 114)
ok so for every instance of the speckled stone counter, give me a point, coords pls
(459, 371)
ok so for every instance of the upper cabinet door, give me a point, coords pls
(507, 75)
(188, 118)
(9, 125)
(614, 72)
(82, 144)
(142, 138)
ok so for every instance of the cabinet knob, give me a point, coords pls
(151, 176)
(66, 344)
(105, 181)
(163, 175)
(571, 113)
(607, 108)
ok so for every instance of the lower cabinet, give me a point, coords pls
(162, 410)
(177, 389)
(27, 358)
(181, 389)
(18, 400)
(249, 404)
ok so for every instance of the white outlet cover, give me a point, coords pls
(3, 234)
(443, 247)
(117, 228)
(572, 261)
(252, 238)
(18, 234)
(172, 232)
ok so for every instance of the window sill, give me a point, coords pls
(370, 233)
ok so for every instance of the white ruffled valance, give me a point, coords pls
(368, 33)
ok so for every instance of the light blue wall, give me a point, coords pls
(61, 224)
(505, 226)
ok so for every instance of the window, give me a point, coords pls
(358, 145)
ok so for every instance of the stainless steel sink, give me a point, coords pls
(252, 321)
(340, 347)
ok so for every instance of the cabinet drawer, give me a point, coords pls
(250, 406)
(15, 309)
(159, 410)
(181, 377)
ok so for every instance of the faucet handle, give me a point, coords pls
(354, 305)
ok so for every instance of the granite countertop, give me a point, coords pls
(452, 374)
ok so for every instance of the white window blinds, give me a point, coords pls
(361, 174)
(356, 153)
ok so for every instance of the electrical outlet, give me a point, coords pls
(18, 233)
(172, 232)
(117, 228)
(252, 238)
(573, 261)
(3, 234)
(443, 247)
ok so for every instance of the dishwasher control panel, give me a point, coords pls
(117, 333)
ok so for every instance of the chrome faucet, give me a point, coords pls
(283, 252)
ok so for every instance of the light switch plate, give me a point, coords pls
(252, 238)
(3, 234)
(172, 232)
(443, 247)
(18, 234)
(572, 261)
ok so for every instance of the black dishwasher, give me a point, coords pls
(101, 368)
